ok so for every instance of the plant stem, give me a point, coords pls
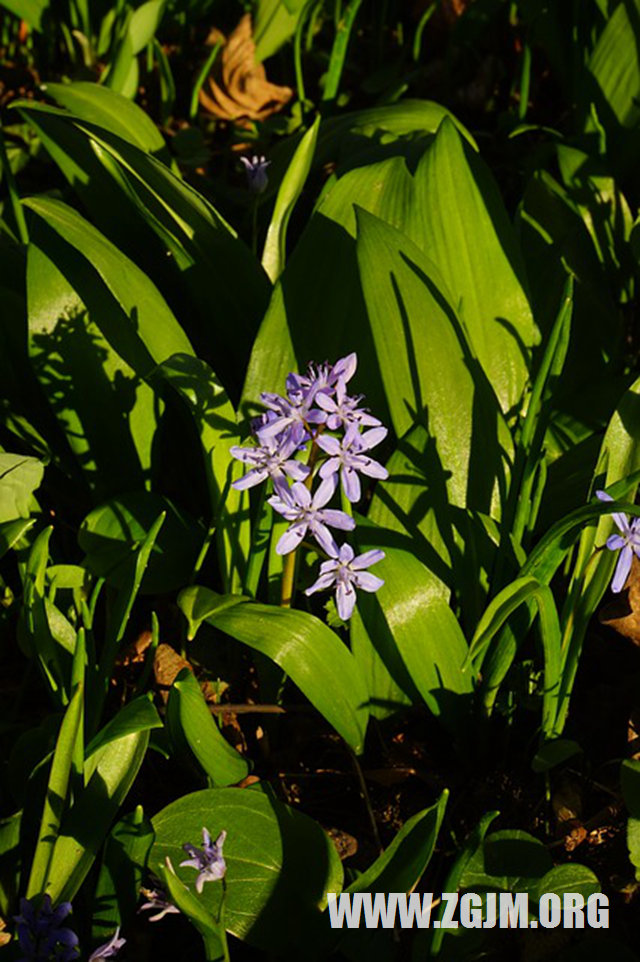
(288, 578)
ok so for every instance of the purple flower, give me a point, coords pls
(321, 378)
(342, 410)
(296, 413)
(347, 457)
(348, 573)
(110, 949)
(271, 459)
(628, 540)
(309, 514)
(208, 860)
(40, 934)
(157, 902)
(256, 170)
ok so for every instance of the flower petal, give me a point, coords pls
(367, 581)
(325, 492)
(324, 538)
(324, 581)
(367, 559)
(622, 569)
(345, 600)
(351, 484)
(291, 538)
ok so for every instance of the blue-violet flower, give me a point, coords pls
(347, 456)
(41, 935)
(307, 513)
(627, 542)
(110, 949)
(256, 170)
(348, 573)
(208, 860)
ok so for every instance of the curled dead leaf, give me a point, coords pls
(623, 613)
(237, 88)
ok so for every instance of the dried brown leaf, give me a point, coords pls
(623, 614)
(237, 88)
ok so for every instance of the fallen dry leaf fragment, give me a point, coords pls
(623, 614)
(238, 88)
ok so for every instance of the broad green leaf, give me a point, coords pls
(311, 654)
(30, 10)
(11, 532)
(43, 864)
(381, 668)
(112, 532)
(122, 872)
(510, 861)
(404, 861)
(428, 371)
(106, 411)
(614, 69)
(143, 331)
(630, 785)
(19, 477)
(275, 23)
(519, 592)
(190, 721)
(453, 880)
(572, 878)
(115, 767)
(461, 225)
(275, 245)
(138, 715)
(197, 603)
(105, 108)
(215, 420)
(9, 861)
(554, 752)
(411, 609)
(280, 863)
(144, 23)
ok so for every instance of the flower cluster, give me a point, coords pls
(318, 432)
(43, 938)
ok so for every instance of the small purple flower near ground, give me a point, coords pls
(309, 514)
(627, 543)
(348, 573)
(256, 170)
(208, 860)
(41, 935)
(110, 949)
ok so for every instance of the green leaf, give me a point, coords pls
(553, 753)
(280, 863)
(411, 609)
(114, 768)
(468, 236)
(311, 654)
(275, 23)
(122, 873)
(43, 866)
(105, 108)
(112, 532)
(138, 715)
(630, 785)
(404, 861)
(30, 10)
(614, 69)
(11, 532)
(190, 721)
(569, 878)
(144, 23)
(142, 330)
(215, 420)
(275, 245)
(9, 861)
(381, 668)
(197, 603)
(107, 413)
(427, 369)
(20, 476)
(508, 861)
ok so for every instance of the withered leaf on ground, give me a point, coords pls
(237, 88)
(623, 614)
